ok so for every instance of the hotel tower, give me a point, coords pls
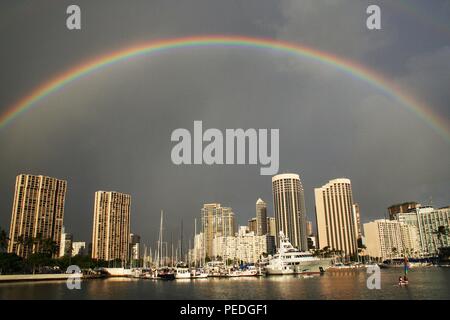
(289, 207)
(38, 212)
(335, 217)
(111, 227)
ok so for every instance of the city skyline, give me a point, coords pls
(110, 129)
(238, 221)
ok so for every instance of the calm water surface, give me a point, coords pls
(426, 283)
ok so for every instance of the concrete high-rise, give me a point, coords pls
(271, 227)
(261, 217)
(357, 220)
(335, 217)
(391, 239)
(289, 208)
(38, 212)
(111, 227)
(216, 221)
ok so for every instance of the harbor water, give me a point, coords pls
(424, 283)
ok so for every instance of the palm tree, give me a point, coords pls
(394, 252)
(27, 244)
(49, 247)
(3, 240)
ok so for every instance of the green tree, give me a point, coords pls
(3, 240)
(48, 247)
(27, 243)
(10, 263)
(39, 260)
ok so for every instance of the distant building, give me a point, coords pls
(65, 248)
(405, 207)
(245, 246)
(252, 225)
(429, 221)
(388, 239)
(111, 228)
(38, 211)
(261, 217)
(309, 228)
(79, 248)
(135, 247)
(289, 208)
(197, 253)
(271, 227)
(216, 221)
(357, 220)
(335, 217)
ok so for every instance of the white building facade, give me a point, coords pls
(245, 246)
(387, 239)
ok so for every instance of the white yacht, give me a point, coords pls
(182, 272)
(289, 260)
(250, 271)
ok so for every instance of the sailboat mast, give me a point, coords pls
(181, 241)
(195, 249)
(171, 258)
(160, 244)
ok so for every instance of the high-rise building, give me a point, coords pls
(335, 218)
(429, 221)
(405, 207)
(357, 220)
(65, 248)
(261, 217)
(252, 225)
(271, 227)
(38, 212)
(216, 221)
(434, 229)
(111, 227)
(135, 247)
(289, 207)
(386, 239)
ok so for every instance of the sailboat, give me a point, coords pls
(164, 273)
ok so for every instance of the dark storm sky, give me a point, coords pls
(111, 130)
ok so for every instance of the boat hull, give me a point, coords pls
(304, 267)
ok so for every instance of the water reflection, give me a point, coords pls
(431, 283)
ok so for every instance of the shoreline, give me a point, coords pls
(43, 277)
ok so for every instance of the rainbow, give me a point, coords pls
(440, 125)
